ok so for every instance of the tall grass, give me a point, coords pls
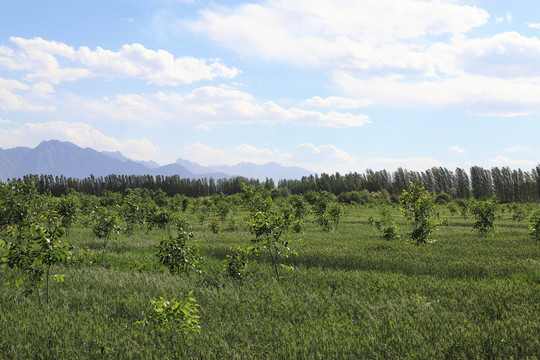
(351, 295)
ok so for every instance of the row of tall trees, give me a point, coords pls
(507, 184)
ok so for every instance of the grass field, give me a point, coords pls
(351, 295)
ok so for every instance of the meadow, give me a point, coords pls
(350, 294)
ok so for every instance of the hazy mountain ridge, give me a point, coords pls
(57, 158)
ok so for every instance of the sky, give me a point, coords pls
(327, 85)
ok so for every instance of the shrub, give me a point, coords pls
(535, 226)
(484, 215)
(180, 254)
(271, 231)
(417, 207)
(237, 264)
(181, 315)
(386, 225)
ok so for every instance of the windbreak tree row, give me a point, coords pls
(507, 184)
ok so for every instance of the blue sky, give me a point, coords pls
(328, 85)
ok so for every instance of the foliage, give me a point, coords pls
(237, 264)
(452, 208)
(18, 206)
(443, 199)
(463, 206)
(484, 215)
(535, 226)
(33, 257)
(177, 314)
(335, 212)
(215, 226)
(179, 254)
(105, 224)
(271, 231)
(68, 209)
(256, 199)
(386, 224)
(417, 206)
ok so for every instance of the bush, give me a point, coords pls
(180, 254)
(484, 215)
(535, 226)
(417, 207)
(181, 315)
(386, 225)
(237, 264)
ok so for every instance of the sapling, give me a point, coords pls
(418, 209)
(535, 226)
(271, 231)
(35, 256)
(180, 254)
(386, 224)
(105, 225)
(484, 215)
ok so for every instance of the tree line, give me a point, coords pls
(507, 184)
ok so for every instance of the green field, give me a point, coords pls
(351, 295)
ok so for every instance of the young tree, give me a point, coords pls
(484, 215)
(105, 224)
(271, 231)
(386, 224)
(180, 254)
(418, 209)
(39, 249)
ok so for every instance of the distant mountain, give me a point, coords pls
(119, 156)
(63, 158)
(269, 170)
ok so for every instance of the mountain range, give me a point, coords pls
(57, 158)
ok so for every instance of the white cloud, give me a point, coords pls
(518, 149)
(457, 149)
(477, 94)
(81, 134)
(41, 60)
(323, 158)
(207, 155)
(337, 33)
(534, 25)
(505, 161)
(221, 105)
(8, 122)
(411, 163)
(338, 102)
(11, 100)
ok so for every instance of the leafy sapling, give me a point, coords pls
(418, 208)
(105, 225)
(180, 254)
(484, 213)
(271, 232)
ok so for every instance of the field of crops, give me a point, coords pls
(350, 294)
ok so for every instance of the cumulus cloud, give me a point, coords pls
(457, 149)
(518, 149)
(11, 99)
(208, 156)
(53, 62)
(323, 158)
(410, 163)
(372, 36)
(83, 135)
(338, 102)
(505, 161)
(222, 105)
